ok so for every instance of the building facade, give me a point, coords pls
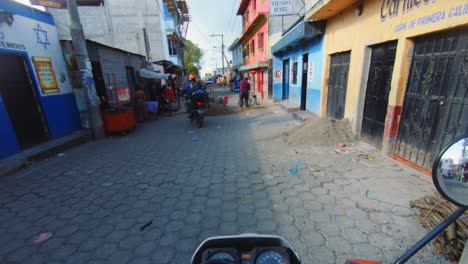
(254, 39)
(397, 71)
(297, 65)
(36, 96)
(143, 27)
(237, 60)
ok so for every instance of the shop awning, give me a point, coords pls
(325, 9)
(301, 32)
(144, 73)
(256, 65)
(170, 66)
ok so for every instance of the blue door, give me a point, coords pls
(286, 80)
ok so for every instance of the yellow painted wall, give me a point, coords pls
(348, 31)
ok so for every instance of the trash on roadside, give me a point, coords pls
(344, 150)
(146, 225)
(340, 145)
(195, 139)
(295, 170)
(386, 222)
(43, 237)
(61, 154)
(314, 170)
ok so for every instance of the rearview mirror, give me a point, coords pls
(450, 172)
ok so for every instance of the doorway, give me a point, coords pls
(21, 101)
(286, 80)
(377, 91)
(337, 84)
(99, 79)
(435, 108)
(305, 67)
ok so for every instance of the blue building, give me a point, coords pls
(297, 65)
(36, 96)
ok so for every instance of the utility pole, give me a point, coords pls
(94, 119)
(222, 50)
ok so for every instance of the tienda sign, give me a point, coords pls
(392, 8)
(280, 7)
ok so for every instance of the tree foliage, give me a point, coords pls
(192, 57)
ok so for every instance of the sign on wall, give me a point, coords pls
(281, 7)
(50, 3)
(38, 42)
(45, 74)
(277, 76)
(311, 71)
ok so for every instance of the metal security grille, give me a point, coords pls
(436, 103)
(337, 83)
(377, 91)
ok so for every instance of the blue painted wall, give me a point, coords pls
(60, 110)
(314, 85)
(9, 144)
(61, 114)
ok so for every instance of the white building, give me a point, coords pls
(147, 27)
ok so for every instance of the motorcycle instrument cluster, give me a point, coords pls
(269, 255)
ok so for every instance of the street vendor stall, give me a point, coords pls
(117, 110)
(147, 103)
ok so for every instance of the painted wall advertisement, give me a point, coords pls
(39, 42)
(393, 8)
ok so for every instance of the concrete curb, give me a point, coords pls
(25, 158)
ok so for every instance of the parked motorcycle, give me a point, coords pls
(271, 249)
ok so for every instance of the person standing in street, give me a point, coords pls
(244, 92)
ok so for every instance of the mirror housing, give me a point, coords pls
(450, 171)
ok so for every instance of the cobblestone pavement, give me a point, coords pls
(96, 197)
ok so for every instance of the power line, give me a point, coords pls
(231, 21)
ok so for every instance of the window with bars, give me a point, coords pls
(260, 40)
(294, 72)
(172, 47)
(252, 47)
(246, 18)
(245, 51)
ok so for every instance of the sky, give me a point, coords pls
(213, 17)
(210, 17)
(454, 152)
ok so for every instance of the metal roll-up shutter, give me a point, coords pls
(113, 67)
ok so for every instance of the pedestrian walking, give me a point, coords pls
(244, 92)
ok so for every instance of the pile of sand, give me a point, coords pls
(320, 132)
(218, 108)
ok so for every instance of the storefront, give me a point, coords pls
(397, 70)
(36, 99)
(297, 65)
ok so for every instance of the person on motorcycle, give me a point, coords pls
(193, 87)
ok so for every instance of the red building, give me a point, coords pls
(254, 41)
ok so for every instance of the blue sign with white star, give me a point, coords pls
(41, 36)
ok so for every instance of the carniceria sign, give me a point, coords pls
(392, 8)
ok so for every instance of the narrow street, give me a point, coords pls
(153, 195)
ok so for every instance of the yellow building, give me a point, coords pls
(397, 69)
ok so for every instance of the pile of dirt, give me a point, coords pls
(218, 108)
(320, 132)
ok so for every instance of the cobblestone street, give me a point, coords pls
(236, 178)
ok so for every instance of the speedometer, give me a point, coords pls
(270, 257)
(222, 256)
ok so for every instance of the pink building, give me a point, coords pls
(254, 41)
